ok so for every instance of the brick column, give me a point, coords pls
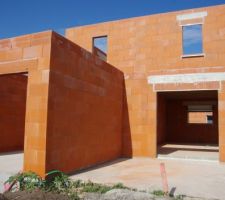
(36, 123)
(221, 115)
(37, 104)
(152, 114)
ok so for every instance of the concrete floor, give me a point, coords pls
(10, 164)
(192, 178)
(189, 151)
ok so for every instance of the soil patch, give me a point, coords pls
(35, 195)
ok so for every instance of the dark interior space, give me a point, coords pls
(188, 118)
(13, 92)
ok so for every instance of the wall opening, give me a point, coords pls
(192, 39)
(100, 47)
(13, 94)
(187, 124)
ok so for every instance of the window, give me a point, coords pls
(210, 119)
(100, 47)
(200, 114)
(192, 40)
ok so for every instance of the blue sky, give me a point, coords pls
(192, 39)
(19, 17)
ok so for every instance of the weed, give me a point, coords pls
(26, 181)
(158, 193)
(119, 186)
(57, 181)
(95, 188)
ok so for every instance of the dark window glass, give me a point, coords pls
(192, 39)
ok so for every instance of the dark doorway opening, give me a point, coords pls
(13, 94)
(187, 124)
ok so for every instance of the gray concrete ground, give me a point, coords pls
(10, 163)
(192, 178)
(190, 151)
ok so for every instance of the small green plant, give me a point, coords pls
(77, 184)
(95, 187)
(26, 181)
(57, 181)
(158, 193)
(119, 186)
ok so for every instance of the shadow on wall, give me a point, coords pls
(126, 132)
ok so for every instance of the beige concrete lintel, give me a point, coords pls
(18, 66)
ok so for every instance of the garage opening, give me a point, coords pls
(13, 92)
(187, 125)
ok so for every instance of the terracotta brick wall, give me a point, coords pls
(85, 109)
(140, 46)
(221, 113)
(180, 131)
(13, 91)
(198, 117)
(31, 54)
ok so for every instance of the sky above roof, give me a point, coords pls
(19, 17)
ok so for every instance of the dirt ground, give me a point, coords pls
(38, 195)
(116, 194)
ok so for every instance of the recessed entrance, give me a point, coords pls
(188, 125)
(13, 93)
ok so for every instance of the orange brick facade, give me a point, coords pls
(81, 111)
(152, 45)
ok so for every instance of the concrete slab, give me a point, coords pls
(10, 164)
(192, 178)
(189, 151)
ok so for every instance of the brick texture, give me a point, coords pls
(81, 111)
(31, 54)
(143, 45)
(85, 109)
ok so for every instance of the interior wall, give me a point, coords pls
(173, 126)
(179, 131)
(221, 110)
(85, 109)
(13, 90)
(161, 119)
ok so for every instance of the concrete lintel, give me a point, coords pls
(189, 16)
(187, 78)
